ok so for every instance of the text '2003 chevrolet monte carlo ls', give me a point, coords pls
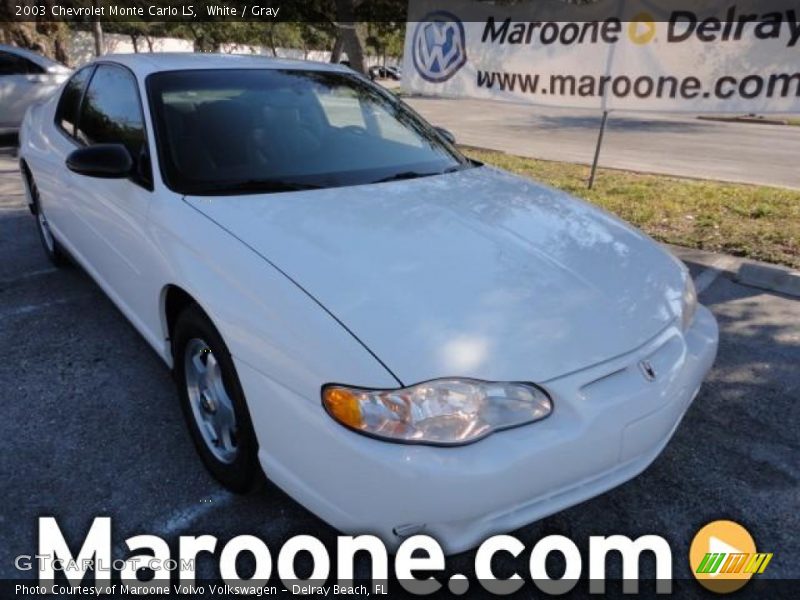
(403, 339)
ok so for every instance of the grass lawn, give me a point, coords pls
(762, 223)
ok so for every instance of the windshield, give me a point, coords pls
(261, 130)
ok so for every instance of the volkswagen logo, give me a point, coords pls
(647, 370)
(439, 46)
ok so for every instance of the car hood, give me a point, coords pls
(477, 273)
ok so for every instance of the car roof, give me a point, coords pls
(47, 63)
(146, 63)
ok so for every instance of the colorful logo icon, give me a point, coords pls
(723, 557)
(642, 29)
(439, 46)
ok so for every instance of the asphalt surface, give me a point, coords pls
(672, 144)
(91, 426)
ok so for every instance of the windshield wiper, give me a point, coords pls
(416, 174)
(404, 175)
(253, 185)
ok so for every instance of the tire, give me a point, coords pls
(52, 249)
(213, 402)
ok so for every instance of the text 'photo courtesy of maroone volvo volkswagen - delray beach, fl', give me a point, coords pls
(402, 338)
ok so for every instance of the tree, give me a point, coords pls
(280, 35)
(137, 30)
(386, 38)
(97, 33)
(45, 37)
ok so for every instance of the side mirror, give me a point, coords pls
(446, 134)
(107, 161)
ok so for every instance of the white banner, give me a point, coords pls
(661, 55)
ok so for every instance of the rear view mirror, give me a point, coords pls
(107, 161)
(446, 135)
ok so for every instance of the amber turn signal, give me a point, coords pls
(343, 405)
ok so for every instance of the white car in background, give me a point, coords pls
(405, 340)
(25, 78)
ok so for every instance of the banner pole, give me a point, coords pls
(597, 150)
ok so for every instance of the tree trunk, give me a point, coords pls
(56, 34)
(60, 50)
(99, 43)
(135, 40)
(336, 52)
(354, 48)
(353, 44)
(271, 39)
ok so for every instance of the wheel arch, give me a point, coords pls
(27, 181)
(174, 300)
(23, 166)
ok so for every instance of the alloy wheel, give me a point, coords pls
(211, 406)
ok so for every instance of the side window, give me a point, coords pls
(11, 64)
(111, 111)
(67, 111)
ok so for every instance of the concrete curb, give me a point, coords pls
(770, 277)
(710, 260)
(766, 276)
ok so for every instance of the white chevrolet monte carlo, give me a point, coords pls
(403, 339)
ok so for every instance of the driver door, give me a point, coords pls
(113, 212)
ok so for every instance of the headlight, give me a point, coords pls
(688, 303)
(439, 412)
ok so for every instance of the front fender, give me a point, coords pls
(267, 321)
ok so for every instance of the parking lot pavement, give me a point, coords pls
(91, 426)
(671, 144)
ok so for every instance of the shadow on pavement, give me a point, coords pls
(735, 454)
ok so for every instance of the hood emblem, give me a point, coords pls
(647, 370)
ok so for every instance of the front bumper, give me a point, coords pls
(608, 424)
